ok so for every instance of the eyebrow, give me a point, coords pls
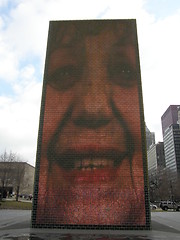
(59, 45)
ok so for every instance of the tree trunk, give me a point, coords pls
(17, 193)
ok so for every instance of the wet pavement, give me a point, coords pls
(15, 225)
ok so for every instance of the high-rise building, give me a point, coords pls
(156, 158)
(171, 137)
(150, 138)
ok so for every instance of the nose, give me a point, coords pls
(92, 105)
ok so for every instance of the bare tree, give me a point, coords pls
(6, 170)
(163, 186)
(177, 189)
(19, 176)
(12, 170)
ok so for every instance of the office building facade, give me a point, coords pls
(150, 138)
(156, 158)
(171, 137)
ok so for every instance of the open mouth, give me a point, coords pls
(88, 165)
(73, 160)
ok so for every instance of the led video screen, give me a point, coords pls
(91, 168)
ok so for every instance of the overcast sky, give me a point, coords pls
(23, 38)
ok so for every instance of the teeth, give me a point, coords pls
(89, 164)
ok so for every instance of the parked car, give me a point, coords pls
(165, 205)
(153, 206)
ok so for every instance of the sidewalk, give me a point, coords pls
(18, 228)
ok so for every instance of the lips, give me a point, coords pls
(83, 165)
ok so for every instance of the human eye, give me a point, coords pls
(122, 74)
(64, 77)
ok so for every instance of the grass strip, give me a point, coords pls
(15, 205)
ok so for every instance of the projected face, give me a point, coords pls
(91, 131)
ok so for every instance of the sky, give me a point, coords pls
(23, 40)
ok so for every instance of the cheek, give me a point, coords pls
(127, 103)
(56, 105)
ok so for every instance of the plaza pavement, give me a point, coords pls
(15, 225)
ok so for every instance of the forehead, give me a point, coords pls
(72, 33)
